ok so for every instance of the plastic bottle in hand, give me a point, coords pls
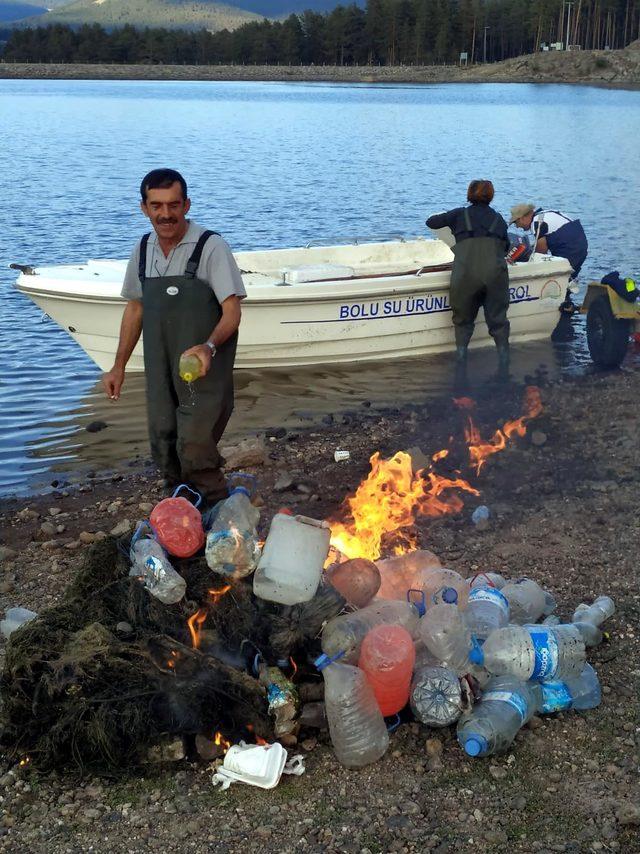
(358, 732)
(150, 563)
(532, 652)
(436, 696)
(445, 633)
(346, 632)
(580, 693)
(505, 707)
(487, 609)
(190, 368)
(527, 601)
(387, 656)
(232, 549)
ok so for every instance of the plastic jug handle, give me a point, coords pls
(307, 520)
(192, 491)
(139, 531)
(418, 602)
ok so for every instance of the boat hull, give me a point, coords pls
(329, 322)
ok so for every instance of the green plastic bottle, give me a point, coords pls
(190, 368)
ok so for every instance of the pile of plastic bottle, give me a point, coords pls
(485, 653)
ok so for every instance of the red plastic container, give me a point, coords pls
(177, 524)
(387, 656)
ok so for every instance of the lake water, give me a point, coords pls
(274, 165)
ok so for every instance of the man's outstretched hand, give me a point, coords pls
(204, 354)
(112, 382)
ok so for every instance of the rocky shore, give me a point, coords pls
(604, 68)
(563, 510)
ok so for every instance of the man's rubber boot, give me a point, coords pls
(460, 380)
(461, 354)
(568, 306)
(503, 362)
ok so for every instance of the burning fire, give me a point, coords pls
(387, 502)
(480, 451)
(216, 595)
(259, 740)
(220, 741)
(173, 658)
(195, 622)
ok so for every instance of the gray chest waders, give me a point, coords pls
(185, 423)
(479, 278)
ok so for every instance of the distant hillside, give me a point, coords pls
(282, 8)
(172, 14)
(11, 11)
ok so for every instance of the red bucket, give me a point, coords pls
(177, 524)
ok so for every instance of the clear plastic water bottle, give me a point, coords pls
(14, 618)
(580, 693)
(401, 573)
(527, 601)
(232, 547)
(443, 586)
(346, 632)
(436, 696)
(505, 707)
(494, 579)
(149, 562)
(487, 609)
(444, 631)
(387, 656)
(552, 620)
(356, 726)
(591, 635)
(532, 652)
(596, 613)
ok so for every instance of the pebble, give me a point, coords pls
(87, 537)
(145, 507)
(434, 747)
(538, 438)
(628, 814)
(6, 553)
(498, 772)
(121, 528)
(55, 511)
(284, 482)
(48, 529)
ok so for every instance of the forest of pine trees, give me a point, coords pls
(386, 32)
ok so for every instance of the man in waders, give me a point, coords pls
(183, 290)
(555, 233)
(479, 276)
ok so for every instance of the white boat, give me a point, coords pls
(316, 305)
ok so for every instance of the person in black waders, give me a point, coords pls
(183, 290)
(555, 233)
(479, 276)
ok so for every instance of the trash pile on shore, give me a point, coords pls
(194, 629)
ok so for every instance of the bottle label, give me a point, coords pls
(545, 650)
(555, 698)
(516, 701)
(153, 566)
(490, 594)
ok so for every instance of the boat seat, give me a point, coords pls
(315, 273)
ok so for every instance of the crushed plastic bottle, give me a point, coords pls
(442, 586)
(580, 693)
(591, 635)
(232, 548)
(444, 631)
(527, 601)
(387, 656)
(487, 609)
(482, 578)
(505, 707)
(600, 610)
(150, 563)
(356, 726)
(14, 618)
(190, 368)
(551, 620)
(436, 696)
(346, 632)
(402, 572)
(540, 653)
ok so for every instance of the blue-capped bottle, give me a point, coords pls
(487, 609)
(580, 693)
(356, 726)
(537, 652)
(505, 707)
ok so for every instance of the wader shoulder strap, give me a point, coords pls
(142, 262)
(467, 221)
(492, 228)
(196, 255)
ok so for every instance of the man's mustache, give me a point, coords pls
(167, 221)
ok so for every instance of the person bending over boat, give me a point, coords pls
(183, 290)
(479, 276)
(557, 234)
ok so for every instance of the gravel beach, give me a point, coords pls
(563, 503)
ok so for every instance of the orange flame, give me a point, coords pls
(216, 595)
(440, 455)
(173, 659)
(221, 741)
(195, 622)
(258, 739)
(387, 501)
(480, 451)
(464, 402)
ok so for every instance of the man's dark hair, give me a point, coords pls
(480, 192)
(162, 179)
